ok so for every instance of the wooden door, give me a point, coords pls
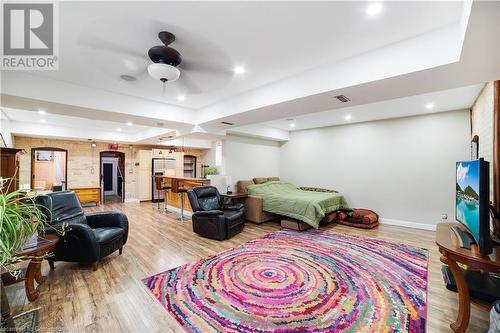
(9, 168)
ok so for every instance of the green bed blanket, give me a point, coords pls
(285, 199)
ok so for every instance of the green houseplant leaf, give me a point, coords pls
(210, 171)
(20, 219)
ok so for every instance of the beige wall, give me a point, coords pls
(482, 125)
(402, 168)
(83, 161)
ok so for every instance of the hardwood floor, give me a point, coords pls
(113, 298)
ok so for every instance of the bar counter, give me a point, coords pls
(173, 196)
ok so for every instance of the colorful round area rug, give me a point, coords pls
(288, 281)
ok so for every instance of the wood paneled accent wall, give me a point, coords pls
(83, 161)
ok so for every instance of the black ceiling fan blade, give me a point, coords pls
(189, 84)
(191, 65)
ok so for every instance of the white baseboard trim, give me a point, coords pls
(407, 224)
(132, 200)
(178, 210)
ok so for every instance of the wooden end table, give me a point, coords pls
(452, 254)
(235, 197)
(35, 250)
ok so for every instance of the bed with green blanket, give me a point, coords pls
(285, 199)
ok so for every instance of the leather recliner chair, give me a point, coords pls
(211, 218)
(88, 237)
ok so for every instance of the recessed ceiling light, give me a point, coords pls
(181, 97)
(41, 111)
(239, 70)
(347, 117)
(129, 123)
(291, 123)
(128, 78)
(429, 106)
(374, 9)
(119, 129)
(43, 121)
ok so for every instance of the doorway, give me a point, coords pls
(49, 169)
(112, 176)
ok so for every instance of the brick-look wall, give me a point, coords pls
(83, 161)
(482, 125)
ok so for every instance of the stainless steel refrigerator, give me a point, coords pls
(161, 167)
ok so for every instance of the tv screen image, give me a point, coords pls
(472, 201)
(467, 198)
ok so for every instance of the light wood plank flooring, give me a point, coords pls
(113, 298)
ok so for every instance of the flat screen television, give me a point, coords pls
(472, 201)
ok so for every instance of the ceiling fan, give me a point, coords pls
(167, 63)
(165, 59)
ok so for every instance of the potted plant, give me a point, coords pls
(210, 170)
(20, 219)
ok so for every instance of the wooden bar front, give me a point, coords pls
(173, 196)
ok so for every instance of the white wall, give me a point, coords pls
(246, 158)
(208, 155)
(402, 168)
(5, 129)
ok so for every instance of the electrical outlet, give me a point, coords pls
(444, 216)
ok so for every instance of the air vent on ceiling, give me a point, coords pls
(226, 123)
(160, 124)
(342, 98)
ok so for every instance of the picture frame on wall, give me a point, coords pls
(44, 156)
(2, 142)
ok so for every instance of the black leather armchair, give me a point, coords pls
(211, 218)
(88, 238)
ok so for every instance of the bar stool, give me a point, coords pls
(158, 186)
(181, 192)
(165, 188)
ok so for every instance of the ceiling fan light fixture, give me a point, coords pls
(163, 72)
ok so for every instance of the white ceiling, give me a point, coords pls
(74, 122)
(448, 100)
(298, 55)
(99, 41)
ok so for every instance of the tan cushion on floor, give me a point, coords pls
(241, 186)
(273, 179)
(260, 180)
